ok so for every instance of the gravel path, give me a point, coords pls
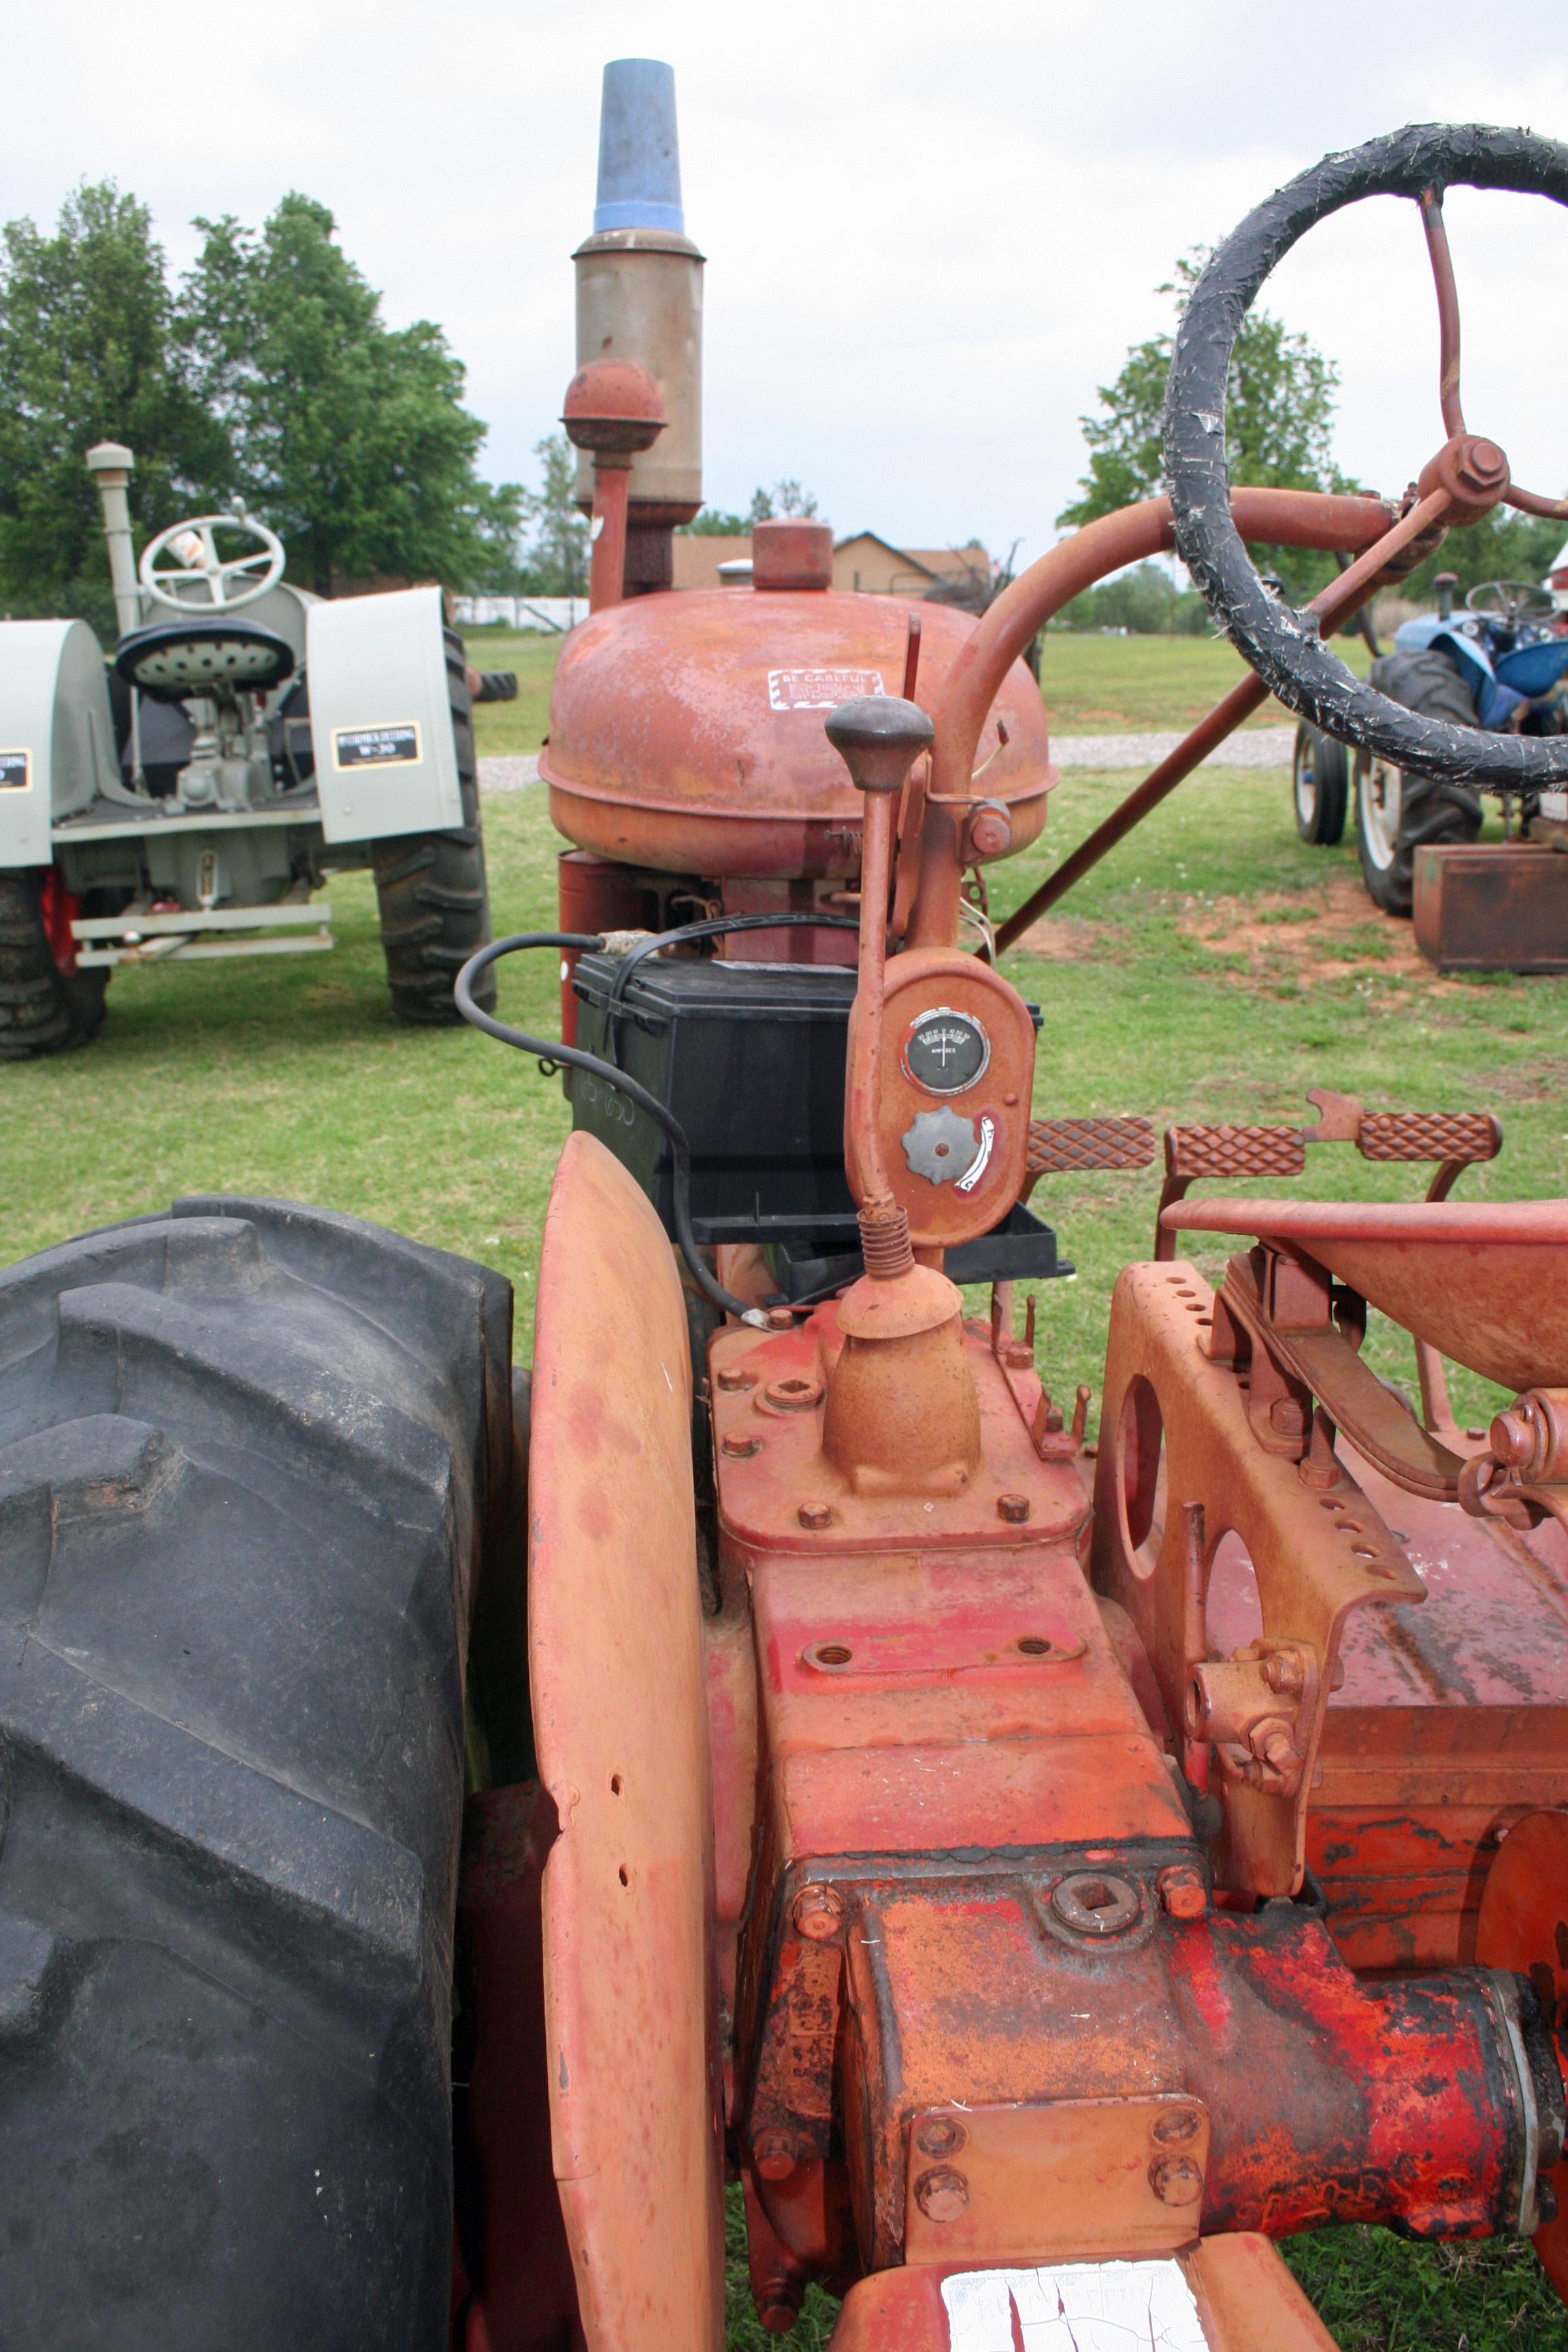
(1254, 747)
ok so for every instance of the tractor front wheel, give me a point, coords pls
(46, 1004)
(1320, 786)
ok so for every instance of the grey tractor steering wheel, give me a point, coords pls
(197, 565)
(1462, 481)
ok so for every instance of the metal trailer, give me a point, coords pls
(185, 801)
(775, 1742)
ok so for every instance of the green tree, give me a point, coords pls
(1279, 427)
(1145, 602)
(555, 561)
(348, 437)
(713, 522)
(89, 352)
(1504, 546)
(783, 500)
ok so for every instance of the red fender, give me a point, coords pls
(618, 1677)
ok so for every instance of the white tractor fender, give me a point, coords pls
(381, 716)
(56, 733)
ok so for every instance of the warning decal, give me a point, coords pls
(375, 747)
(820, 689)
(16, 771)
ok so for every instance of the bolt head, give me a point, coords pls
(941, 2136)
(1183, 1895)
(1286, 1415)
(1175, 2181)
(731, 1379)
(1013, 1509)
(773, 2154)
(818, 1913)
(1177, 2127)
(741, 1449)
(942, 2193)
(1512, 1439)
(815, 1516)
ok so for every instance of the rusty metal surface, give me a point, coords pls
(620, 1724)
(686, 732)
(1075, 2180)
(1491, 907)
(985, 1127)
(1077, 1146)
(1179, 1468)
(1486, 1283)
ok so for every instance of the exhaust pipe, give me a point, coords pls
(113, 466)
(639, 297)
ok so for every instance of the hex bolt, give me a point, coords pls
(1014, 1508)
(780, 1319)
(941, 2136)
(1183, 1895)
(1175, 2181)
(818, 1913)
(1286, 1415)
(1017, 1356)
(816, 1515)
(1283, 1672)
(773, 2154)
(741, 1449)
(941, 2194)
(733, 1379)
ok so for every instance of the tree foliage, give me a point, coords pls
(89, 352)
(1279, 427)
(268, 372)
(1145, 602)
(556, 560)
(347, 436)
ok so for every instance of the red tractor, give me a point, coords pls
(1044, 1871)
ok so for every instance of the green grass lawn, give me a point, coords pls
(1213, 968)
(1113, 686)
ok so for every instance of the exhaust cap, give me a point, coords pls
(640, 149)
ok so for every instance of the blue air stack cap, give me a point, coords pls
(639, 151)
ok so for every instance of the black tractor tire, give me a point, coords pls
(250, 1458)
(1398, 811)
(43, 1010)
(432, 891)
(1319, 786)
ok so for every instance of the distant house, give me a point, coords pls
(871, 564)
(877, 567)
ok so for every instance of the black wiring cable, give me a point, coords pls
(589, 943)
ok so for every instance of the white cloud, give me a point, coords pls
(931, 230)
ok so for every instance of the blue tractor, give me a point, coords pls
(1500, 663)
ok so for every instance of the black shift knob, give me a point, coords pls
(878, 738)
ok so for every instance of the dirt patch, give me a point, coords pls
(1530, 1082)
(1309, 936)
(1064, 939)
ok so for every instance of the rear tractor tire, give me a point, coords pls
(1398, 811)
(432, 891)
(251, 1458)
(1320, 783)
(47, 1006)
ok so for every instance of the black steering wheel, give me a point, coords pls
(1465, 480)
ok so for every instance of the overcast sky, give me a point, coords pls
(932, 230)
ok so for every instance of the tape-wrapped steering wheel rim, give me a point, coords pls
(1281, 645)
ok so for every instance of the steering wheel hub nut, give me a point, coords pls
(1474, 473)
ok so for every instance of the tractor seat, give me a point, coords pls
(1484, 1282)
(173, 659)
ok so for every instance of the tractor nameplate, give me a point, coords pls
(16, 771)
(375, 747)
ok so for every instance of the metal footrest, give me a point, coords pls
(207, 935)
